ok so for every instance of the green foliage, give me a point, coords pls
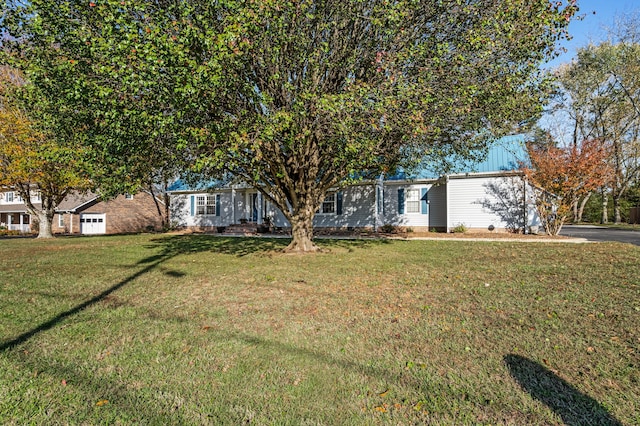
(600, 91)
(293, 97)
(36, 156)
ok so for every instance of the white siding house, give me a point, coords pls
(494, 197)
(13, 212)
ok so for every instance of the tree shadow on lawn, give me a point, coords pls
(78, 308)
(172, 246)
(573, 406)
(242, 246)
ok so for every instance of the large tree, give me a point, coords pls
(600, 91)
(296, 97)
(33, 162)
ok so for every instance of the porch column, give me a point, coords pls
(378, 212)
(233, 205)
(21, 222)
(260, 212)
(9, 217)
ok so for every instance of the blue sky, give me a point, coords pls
(593, 27)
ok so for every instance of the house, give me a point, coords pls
(491, 196)
(87, 214)
(13, 212)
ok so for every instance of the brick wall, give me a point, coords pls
(122, 215)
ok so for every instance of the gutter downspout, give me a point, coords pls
(446, 196)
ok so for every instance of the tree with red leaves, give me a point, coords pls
(561, 176)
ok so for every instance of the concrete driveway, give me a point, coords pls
(600, 233)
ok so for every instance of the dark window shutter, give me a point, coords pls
(400, 200)
(423, 197)
(339, 202)
(193, 205)
(217, 204)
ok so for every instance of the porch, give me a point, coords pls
(15, 221)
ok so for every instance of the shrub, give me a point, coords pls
(460, 228)
(388, 228)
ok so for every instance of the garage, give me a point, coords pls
(93, 223)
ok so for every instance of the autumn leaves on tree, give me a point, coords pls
(562, 176)
(294, 97)
(33, 162)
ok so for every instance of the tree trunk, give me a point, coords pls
(617, 216)
(167, 211)
(45, 218)
(302, 234)
(583, 205)
(605, 204)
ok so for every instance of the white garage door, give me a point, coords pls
(93, 223)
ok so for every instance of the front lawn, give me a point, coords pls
(161, 329)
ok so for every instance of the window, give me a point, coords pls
(329, 204)
(60, 220)
(207, 205)
(412, 200)
(128, 196)
(9, 197)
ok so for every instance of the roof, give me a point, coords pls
(15, 208)
(186, 185)
(504, 154)
(76, 201)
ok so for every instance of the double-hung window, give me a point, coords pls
(412, 200)
(9, 197)
(206, 204)
(329, 204)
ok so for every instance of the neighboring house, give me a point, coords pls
(88, 214)
(13, 212)
(491, 197)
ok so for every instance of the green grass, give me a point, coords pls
(156, 329)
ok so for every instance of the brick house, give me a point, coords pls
(88, 214)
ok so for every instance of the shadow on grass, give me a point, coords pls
(63, 315)
(242, 246)
(573, 406)
(171, 246)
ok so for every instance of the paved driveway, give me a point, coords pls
(598, 233)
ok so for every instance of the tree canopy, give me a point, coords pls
(294, 97)
(600, 91)
(560, 176)
(33, 161)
